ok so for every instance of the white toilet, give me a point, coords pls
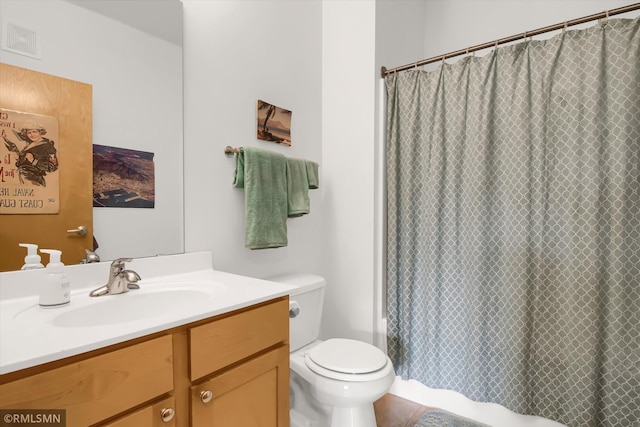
(333, 382)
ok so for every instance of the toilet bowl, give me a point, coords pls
(348, 390)
(336, 380)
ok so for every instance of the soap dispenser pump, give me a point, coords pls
(32, 260)
(56, 291)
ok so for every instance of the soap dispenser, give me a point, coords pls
(56, 291)
(32, 260)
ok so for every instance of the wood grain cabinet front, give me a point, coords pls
(98, 387)
(232, 338)
(254, 393)
(229, 370)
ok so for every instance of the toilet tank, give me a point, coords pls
(305, 307)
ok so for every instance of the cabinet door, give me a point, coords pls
(253, 394)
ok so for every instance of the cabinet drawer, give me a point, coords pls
(214, 345)
(99, 387)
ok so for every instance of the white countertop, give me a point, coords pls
(31, 335)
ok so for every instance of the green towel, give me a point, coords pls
(312, 174)
(297, 188)
(263, 175)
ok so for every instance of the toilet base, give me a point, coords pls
(362, 416)
(305, 410)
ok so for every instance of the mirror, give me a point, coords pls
(130, 52)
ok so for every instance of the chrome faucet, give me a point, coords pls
(90, 257)
(120, 280)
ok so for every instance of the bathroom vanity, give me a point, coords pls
(221, 359)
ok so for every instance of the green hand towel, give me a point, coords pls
(312, 174)
(297, 188)
(263, 175)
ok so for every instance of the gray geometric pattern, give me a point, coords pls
(445, 419)
(513, 265)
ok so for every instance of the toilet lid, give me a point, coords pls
(348, 356)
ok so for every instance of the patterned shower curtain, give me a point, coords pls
(513, 186)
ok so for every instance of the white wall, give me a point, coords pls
(456, 24)
(137, 104)
(400, 32)
(236, 52)
(348, 141)
(316, 59)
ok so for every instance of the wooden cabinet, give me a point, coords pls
(229, 370)
(255, 393)
(97, 387)
(215, 345)
(252, 393)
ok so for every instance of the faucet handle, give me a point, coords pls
(117, 265)
(131, 278)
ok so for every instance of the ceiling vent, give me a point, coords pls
(20, 40)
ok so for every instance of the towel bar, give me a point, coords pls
(230, 150)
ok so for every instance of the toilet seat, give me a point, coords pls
(347, 360)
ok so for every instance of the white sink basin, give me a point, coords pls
(131, 306)
(150, 301)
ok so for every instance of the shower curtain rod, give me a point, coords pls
(563, 25)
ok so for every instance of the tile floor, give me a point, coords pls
(394, 411)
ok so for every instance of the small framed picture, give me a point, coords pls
(274, 123)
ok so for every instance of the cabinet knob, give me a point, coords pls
(167, 414)
(206, 396)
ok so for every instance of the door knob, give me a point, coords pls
(82, 230)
